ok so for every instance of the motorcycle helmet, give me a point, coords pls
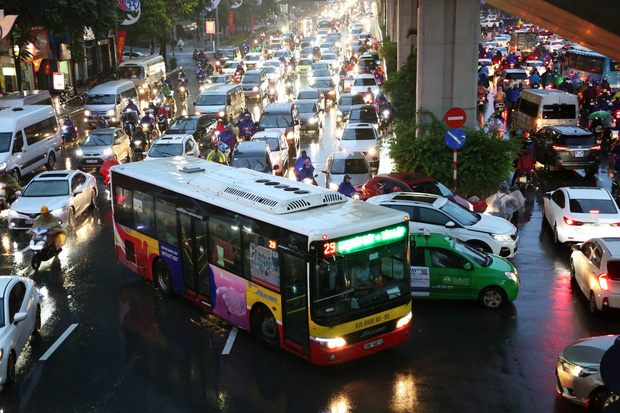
(44, 209)
(347, 177)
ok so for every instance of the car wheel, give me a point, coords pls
(163, 278)
(609, 399)
(71, 217)
(591, 172)
(35, 262)
(265, 328)
(37, 322)
(556, 240)
(93, 199)
(10, 370)
(592, 304)
(492, 297)
(572, 271)
(51, 161)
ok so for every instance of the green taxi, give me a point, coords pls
(443, 267)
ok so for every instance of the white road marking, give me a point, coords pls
(58, 342)
(230, 341)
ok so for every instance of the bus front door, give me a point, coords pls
(194, 255)
(295, 300)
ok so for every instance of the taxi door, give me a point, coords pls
(448, 276)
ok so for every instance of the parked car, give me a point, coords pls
(446, 268)
(67, 194)
(567, 148)
(278, 147)
(20, 318)
(578, 373)
(361, 137)
(595, 268)
(576, 214)
(439, 215)
(101, 143)
(353, 164)
(173, 145)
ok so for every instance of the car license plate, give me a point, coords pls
(522, 179)
(373, 344)
(29, 221)
(91, 161)
(579, 154)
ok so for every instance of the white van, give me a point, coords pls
(108, 100)
(221, 102)
(143, 72)
(29, 139)
(31, 97)
(536, 108)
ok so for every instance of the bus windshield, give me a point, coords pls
(210, 100)
(101, 99)
(359, 280)
(559, 111)
(133, 72)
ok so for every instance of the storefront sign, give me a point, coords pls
(58, 80)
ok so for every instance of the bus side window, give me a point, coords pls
(261, 261)
(144, 213)
(123, 200)
(225, 244)
(166, 222)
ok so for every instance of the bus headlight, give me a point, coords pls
(404, 320)
(331, 343)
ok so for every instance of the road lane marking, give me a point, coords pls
(230, 341)
(58, 342)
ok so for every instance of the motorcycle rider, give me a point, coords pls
(147, 121)
(131, 107)
(139, 140)
(216, 155)
(369, 97)
(299, 163)
(101, 123)
(105, 168)
(170, 102)
(239, 72)
(229, 138)
(346, 188)
(306, 172)
(166, 86)
(71, 131)
(247, 127)
(525, 163)
(11, 186)
(482, 92)
(47, 220)
(182, 76)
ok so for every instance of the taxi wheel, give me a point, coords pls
(265, 328)
(10, 370)
(610, 399)
(572, 271)
(51, 161)
(492, 297)
(592, 304)
(556, 240)
(163, 279)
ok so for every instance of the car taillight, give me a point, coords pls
(569, 221)
(602, 281)
(560, 148)
(595, 148)
(615, 224)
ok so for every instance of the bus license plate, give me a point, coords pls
(579, 154)
(373, 344)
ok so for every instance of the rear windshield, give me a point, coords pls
(585, 140)
(349, 166)
(351, 100)
(364, 115)
(559, 111)
(251, 58)
(358, 134)
(309, 94)
(257, 164)
(323, 83)
(518, 75)
(101, 100)
(367, 81)
(5, 141)
(227, 53)
(613, 269)
(304, 62)
(134, 72)
(272, 142)
(603, 206)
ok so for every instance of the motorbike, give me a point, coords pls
(66, 135)
(162, 122)
(482, 100)
(272, 93)
(183, 92)
(68, 96)
(215, 138)
(138, 147)
(499, 106)
(524, 179)
(5, 202)
(246, 134)
(44, 246)
(310, 181)
(130, 121)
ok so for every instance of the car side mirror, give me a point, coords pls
(18, 193)
(467, 266)
(576, 247)
(345, 117)
(450, 224)
(548, 195)
(296, 122)
(19, 317)
(194, 103)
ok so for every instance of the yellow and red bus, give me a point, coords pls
(301, 267)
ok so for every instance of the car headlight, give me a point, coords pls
(222, 113)
(108, 152)
(331, 343)
(501, 237)
(137, 143)
(372, 151)
(79, 152)
(255, 88)
(87, 113)
(111, 112)
(313, 120)
(333, 186)
(197, 113)
(59, 211)
(576, 370)
(512, 276)
(145, 125)
(290, 135)
(3, 165)
(339, 113)
(404, 320)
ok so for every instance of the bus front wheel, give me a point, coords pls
(163, 279)
(265, 327)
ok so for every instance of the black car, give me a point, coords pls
(227, 53)
(310, 116)
(344, 105)
(566, 148)
(199, 126)
(328, 88)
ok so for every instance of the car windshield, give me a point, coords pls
(365, 81)
(432, 187)
(474, 255)
(134, 72)
(5, 141)
(361, 134)
(351, 100)
(210, 100)
(323, 83)
(306, 107)
(217, 79)
(516, 76)
(307, 50)
(98, 139)
(101, 100)
(559, 111)
(257, 164)
(250, 79)
(269, 69)
(272, 142)
(459, 213)
(349, 166)
(274, 121)
(47, 188)
(364, 115)
(349, 283)
(227, 53)
(308, 94)
(164, 150)
(593, 206)
(231, 64)
(328, 56)
(184, 124)
(304, 62)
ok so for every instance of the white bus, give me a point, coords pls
(143, 72)
(301, 267)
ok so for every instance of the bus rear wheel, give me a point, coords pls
(265, 328)
(162, 278)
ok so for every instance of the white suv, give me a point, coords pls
(173, 145)
(439, 215)
(361, 137)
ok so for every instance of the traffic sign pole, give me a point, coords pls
(454, 183)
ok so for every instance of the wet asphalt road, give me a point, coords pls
(133, 349)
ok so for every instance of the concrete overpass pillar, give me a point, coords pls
(407, 18)
(447, 56)
(391, 23)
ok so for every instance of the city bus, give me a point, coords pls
(302, 268)
(590, 66)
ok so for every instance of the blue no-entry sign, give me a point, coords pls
(455, 138)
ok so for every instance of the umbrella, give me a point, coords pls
(599, 114)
